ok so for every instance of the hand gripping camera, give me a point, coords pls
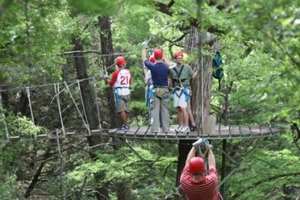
(202, 145)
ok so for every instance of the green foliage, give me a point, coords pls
(259, 45)
(19, 125)
(131, 167)
(103, 7)
(8, 187)
(263, 171)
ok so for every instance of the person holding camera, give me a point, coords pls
(198, 182)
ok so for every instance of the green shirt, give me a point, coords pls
(181, 77)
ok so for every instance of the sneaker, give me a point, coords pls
(124, 127)
(185, 129)
(168, 130)
(193, 127)
(155, 131)
(178, 129)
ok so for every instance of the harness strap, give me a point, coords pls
(178, 75)
(183, 90)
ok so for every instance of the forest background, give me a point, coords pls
(39, 44)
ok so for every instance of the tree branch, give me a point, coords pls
(174, 42)
(35, 178)
(165, 8)
(292, 59)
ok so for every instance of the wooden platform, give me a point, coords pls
(220, 132)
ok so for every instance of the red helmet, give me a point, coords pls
(197, 165)
(178, 54)
(120, 61)
(158, 54)
(152, 59)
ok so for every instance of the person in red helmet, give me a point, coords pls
(197, 182)
(120, 82)
(159, 74)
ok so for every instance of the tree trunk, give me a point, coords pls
(201, 91)
(86, 90)
(184, 147)
(22, 104)
(89, 103)
(201, 85)
(106, 40)
(123, 191)
(108, 60)
(4, 96)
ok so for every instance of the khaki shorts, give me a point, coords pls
(121, 103)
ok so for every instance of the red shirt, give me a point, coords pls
(114, 77)
(205, 190)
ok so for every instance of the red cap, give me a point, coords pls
(178, 54)
(158, 54)
(120, 61)
(152, 59)
(197, 165)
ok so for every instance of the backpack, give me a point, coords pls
(218, 72)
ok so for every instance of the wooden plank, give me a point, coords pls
(221, 132)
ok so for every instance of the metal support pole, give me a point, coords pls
(223, 169)
(29, 102)
(56, 90)
(61, 158)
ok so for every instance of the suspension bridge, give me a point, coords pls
(48, 100)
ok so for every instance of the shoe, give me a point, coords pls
(185, 129)
(193, 127)
(155, 131)
(178, 129)
(168, 130)
(124, 127)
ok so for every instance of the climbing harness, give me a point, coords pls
(180, 89)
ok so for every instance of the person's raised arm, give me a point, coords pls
(191, 154)
(144, 53)
(211, 159)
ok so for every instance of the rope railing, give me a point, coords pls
(77, 108)
(56, 89)
(219, 131)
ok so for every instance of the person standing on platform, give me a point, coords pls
(120, 82)
(181, 75)
(159, 73)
